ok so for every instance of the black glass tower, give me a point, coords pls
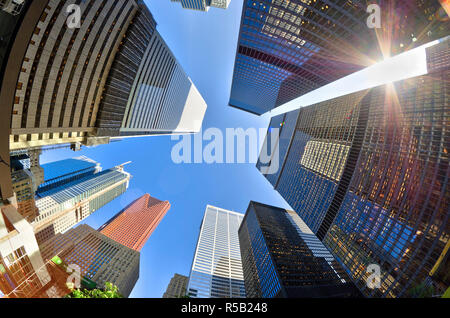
(281, 257)
(368, 173)
(289, 48)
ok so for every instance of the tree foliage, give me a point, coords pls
(110, 291)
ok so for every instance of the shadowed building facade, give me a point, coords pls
(147, 92)
(217, 269)
(133, 226)
(368, 173)
(177, 287)
(281, 257)
(289, 48)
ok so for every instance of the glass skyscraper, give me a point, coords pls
(59, 173)
(289, 48)
(62, 207)
(283, 258)
(368, 173)
(216, 269)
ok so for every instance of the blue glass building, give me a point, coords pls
(368, 173)
(289, 48)
(60, 173)
(62, 207)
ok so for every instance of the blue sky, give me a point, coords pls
(205, 45)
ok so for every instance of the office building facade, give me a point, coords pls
(134, 225)
(203, 5)
(147, 92)
(370, 179)
(217, 269)
(283, 258)
(289, 48)
(59, 173)
(63, 207)
(111, 76)
(71, 76)
(99, 258)
(22, 268)
(177, 287)
(63, 71)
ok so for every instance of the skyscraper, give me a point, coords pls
(133, 226)
(177, 287)
(59, 173)
(155, 96)
(289, 48)
(63, 207)
(26, 175)
(203, 5)
(368, 173)
(63, 70)
(282, 257)
(13, 7)
(110, 77)
(99, 258)
(68, 87)
(216, 269)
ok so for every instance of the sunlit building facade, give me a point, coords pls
(217, 269)
(283, 258)
(59, 173)
(133, 226)
(395, 210)
(289, 48)
(370, 178)
(22, 269)
(63, 207)
(99, 258)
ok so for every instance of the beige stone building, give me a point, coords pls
(177, 287)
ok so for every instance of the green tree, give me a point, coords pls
(110, 291)
(421, 291)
